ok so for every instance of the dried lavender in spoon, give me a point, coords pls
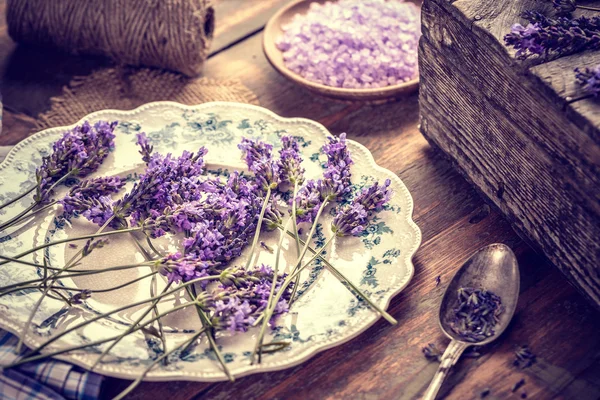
(477, 314)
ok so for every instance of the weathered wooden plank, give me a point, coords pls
(506, 132)
(559, 76)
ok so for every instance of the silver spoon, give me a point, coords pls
(493, 268)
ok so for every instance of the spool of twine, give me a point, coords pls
(171, 34)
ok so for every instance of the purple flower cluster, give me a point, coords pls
(589, 79)
(167, 181)
(544, 35)
(243, 296)
(353, 218)
(145, 147)
(259, 158)
(178, 268)
(240, 296)
(564, 7)
(290, 162)
(334, 186)
(78, 153)
(80, 197)
(218, 227)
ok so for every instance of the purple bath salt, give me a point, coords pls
(357, 44)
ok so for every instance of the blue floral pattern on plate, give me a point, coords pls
(326, 313)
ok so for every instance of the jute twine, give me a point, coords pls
(128, 88)
(171, 34)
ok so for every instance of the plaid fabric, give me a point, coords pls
(47, 379)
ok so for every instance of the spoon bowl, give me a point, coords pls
(493, 268)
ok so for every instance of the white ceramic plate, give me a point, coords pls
(325, 315)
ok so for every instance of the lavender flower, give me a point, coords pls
(254, 151)
(79, 152)
(100, 211)
(290, 162)
(589, 79)
(145, 147)
(92, 245)
(243, 296)
(564, 7)
(336, 182)
(375, 197)
(353, 218)
(178, 268)
(546, 35)
(94, 188)
(167, 181)
(259, 158)
(334, 186)
(309, 200)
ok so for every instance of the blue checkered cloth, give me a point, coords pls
(48, 379)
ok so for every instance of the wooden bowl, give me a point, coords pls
(275, 56)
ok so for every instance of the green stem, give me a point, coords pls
(267, 314)
(17, 217)
(152, 284)
(70, 289)
(47, 206)
(206, 324)
(130, 329)
(116, 310)
(36, 201)
(74, 275)
(343, 279)
(67, 240)
(135, 383)
(295, 219)
(258, 226)
(588, 8)
(97, 342)
(29, 319)
(274, 281)
(158, 253)
(19, 197)
(45, 292)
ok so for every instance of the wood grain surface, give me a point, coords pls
(385, 362)
(512, 124)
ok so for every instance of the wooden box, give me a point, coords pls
(516, 129)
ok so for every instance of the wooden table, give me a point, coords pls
(385, 361)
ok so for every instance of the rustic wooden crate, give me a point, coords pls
(514, 130)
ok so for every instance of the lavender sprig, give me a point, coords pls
(146, 147)
(167, 181)
(544, 35)
(78, 153)
(352, 219)
(589, 79)
(84, 192)
(290, 162)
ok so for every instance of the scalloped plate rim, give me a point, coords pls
(161, 376)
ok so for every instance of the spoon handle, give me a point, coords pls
(450, 357)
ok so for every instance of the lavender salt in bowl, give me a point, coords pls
(359, 50)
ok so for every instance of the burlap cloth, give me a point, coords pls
(126, 88)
